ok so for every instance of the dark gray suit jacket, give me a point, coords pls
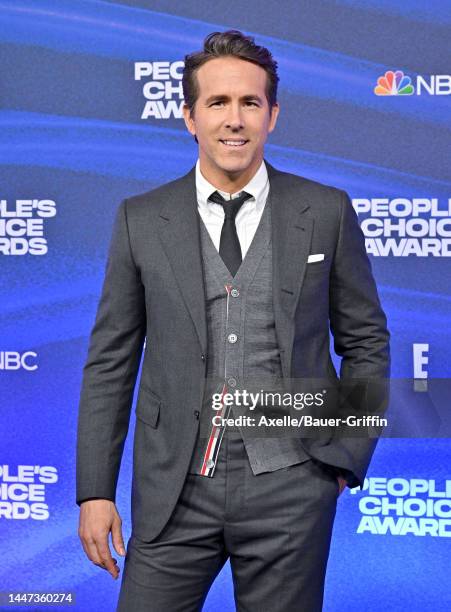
(154, 289)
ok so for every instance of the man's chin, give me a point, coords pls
(235, 167)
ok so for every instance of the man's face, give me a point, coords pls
(231, 119)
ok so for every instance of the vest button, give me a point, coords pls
(202, 357)
(232, 338)
(197, 414)
(232, 382)
(234, 293)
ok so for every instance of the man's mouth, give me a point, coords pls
(234, 143)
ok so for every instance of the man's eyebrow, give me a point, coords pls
(224, 97)
(215, 98)
(253, 97)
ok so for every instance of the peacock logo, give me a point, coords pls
(394, 84)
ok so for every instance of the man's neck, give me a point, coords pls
(229, 183)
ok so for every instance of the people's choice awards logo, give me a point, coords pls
(22, 226)
(23, 491)
(405, 507)
(394, 84)
(162, 89)
(403, 227)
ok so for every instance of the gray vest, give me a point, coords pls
(242, 349)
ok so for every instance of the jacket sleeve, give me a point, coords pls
(361, 339)
(111, 368)
(357, 321)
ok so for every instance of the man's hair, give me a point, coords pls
(231, 43)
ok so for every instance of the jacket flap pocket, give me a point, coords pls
(148, 407)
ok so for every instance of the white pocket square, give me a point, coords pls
(317, 257)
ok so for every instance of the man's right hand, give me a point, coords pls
(97, 518)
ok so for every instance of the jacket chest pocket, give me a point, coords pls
(318, 267)
(148, 407)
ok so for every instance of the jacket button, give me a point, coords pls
(202, 357)
(197, 414)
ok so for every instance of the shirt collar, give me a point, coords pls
(258, 187)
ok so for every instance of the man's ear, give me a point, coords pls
(273, 117)
(189, 120)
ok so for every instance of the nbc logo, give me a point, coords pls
(396, 83)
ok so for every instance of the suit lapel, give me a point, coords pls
(292, 231)
(180, 238)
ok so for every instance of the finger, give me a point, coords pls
(91, 551)
(116, 536)
(342, 483)
(106, 558)
(88, 543)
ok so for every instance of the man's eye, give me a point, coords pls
(216, 103)
(251, 103)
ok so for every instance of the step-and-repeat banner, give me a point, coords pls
(91, 101)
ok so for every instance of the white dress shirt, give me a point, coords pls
(248, 216)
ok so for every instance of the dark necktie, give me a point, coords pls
(229, 246)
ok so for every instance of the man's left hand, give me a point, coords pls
(341, 484)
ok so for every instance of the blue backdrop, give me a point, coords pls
(90, 113)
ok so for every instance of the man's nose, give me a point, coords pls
(234, 119)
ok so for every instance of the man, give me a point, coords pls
(232, 272)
